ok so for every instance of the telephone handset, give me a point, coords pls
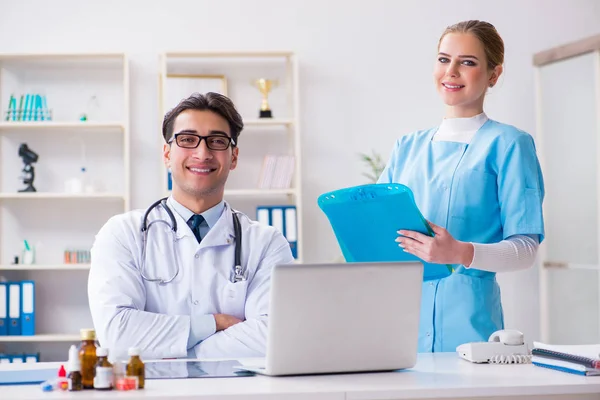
(503, 347)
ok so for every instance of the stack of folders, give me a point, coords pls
(19, 358)
(283, 218)
(17, 308)
(277, 172)
(575, 359)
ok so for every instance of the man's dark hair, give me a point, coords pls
(210, 101)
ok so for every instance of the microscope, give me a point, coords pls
(29, 157)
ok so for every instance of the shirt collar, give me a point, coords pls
(459, 125)
(211, 216)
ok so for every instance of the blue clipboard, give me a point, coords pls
(366, 220)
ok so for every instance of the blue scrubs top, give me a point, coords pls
(482, 192)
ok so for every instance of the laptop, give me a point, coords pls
(347, 317)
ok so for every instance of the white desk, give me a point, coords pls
(435, 376)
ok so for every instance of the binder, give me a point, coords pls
(17, 359)
(14, 308)
(27, 308)
(3, 309)
(263, 215)
(283, 218)
(277, 219)
(31, 358)
(291, 229)
(366, 220)
(4, 359)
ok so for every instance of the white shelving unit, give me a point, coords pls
(232, 74)
(260, 192)
(76, 126)
(45, 267)
(49, 195)
(267, 122)
(569, 257)
(66, 337)
(53, 219)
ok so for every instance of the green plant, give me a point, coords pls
(375, 164)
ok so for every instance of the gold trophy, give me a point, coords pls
(265, 86)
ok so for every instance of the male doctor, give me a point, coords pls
(202, 312)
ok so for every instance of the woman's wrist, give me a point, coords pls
(466, 253)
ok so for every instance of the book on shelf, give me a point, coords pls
(32, 107)
(277, 172)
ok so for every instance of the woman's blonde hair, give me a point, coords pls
(487, 35)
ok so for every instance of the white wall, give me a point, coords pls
(365, 76)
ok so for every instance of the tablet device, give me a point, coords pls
(182, 369)
(366, 220)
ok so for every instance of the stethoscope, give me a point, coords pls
(238, 273)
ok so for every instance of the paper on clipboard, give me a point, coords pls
(366, 220)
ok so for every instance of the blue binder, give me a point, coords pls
(17, 358)
(14, 308)
(366, 220)
(3, 309)
(284, 219)
(290, 228)
(27, 308)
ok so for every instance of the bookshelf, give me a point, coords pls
(58, 195)
(88, 95)
(75, 126)
(64, 337)
(232, 74)
(45, 267)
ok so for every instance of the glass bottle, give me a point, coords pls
(74, 377)
(104, 371)
(87, 357)
(135, 366)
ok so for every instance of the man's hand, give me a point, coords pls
(225, 321)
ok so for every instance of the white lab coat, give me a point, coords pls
(130, 311)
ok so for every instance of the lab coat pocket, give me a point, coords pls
(233, 298)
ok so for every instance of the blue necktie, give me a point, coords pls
(194, 223)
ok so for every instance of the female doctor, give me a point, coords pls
(166, 280)
(479, 183)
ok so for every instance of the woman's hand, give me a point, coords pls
(440, 249)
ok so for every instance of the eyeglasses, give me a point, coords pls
(213, 142)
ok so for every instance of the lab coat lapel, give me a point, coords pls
(219, 235)
(183, 229)
(159, 213)
(222, 233)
